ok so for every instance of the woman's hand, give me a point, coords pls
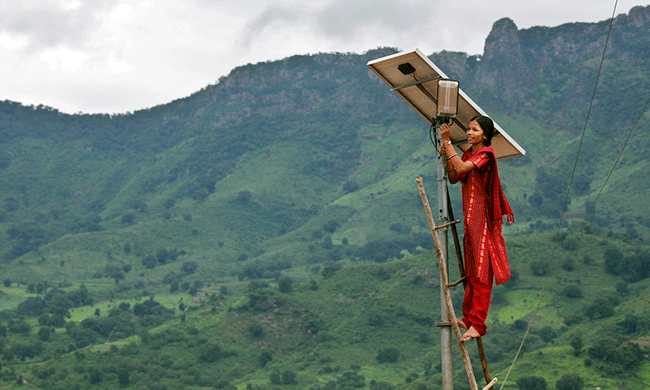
(444, 133)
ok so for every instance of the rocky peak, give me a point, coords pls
(503, 40)
(639, 16)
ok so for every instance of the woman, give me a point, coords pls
(484, 205)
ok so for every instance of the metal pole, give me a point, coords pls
(445, 325)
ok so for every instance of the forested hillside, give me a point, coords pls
(266, 200)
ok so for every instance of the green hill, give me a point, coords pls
(305, 169)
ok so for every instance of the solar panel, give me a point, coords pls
(414, 77)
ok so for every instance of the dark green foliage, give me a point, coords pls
(381, 251)
(189, 267)
(149, 261)
(532, 383)
(615, 356)
(265, 357)
(374, 385)
(350, 186)
(388, 355)
(572, 291)
(275, 378)
(539, 267)
(351, 380)
(630, 324)
(577, 344)
(256, 330)
(18, 326)
(613, 258)
(285, 284)
(212, 352)
(288, 377)
(123, 377)
(331, 269)
(570, 381)
(244, 196)
(331, 226)
(32, 307)
(547, 334)
(635, 267)
(600, 308)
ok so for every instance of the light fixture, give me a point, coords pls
(447, 106)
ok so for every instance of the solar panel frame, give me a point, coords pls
(419, 89)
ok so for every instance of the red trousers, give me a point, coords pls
(477, 302)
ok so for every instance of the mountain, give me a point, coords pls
(291, 168)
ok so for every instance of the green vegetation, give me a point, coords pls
(266, 232)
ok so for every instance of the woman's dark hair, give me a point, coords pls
(487, 126)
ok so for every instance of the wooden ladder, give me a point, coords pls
(447, 296)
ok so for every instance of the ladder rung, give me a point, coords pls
(491, 384)
(456, 283)
(447, 224)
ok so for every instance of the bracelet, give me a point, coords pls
(452, 156)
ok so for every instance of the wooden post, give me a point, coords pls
(445, 281)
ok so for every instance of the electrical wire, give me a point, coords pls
(566, 200)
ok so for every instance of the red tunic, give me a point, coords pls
(484, 205)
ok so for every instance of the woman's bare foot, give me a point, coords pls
(461, 324)
(470, 334)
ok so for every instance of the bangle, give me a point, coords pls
(452, 156)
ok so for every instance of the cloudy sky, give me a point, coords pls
(114, 56)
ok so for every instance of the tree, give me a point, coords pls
(265, 357)
(532, 383)
(577, 345)
(285, 284)
(189, 267)
(149, 261)
(570, 381)
(601, 308)
(288, 377)
(256, 330)
(123, 377)
(572, 291)
(539, 267)
(244, 196)
(388, 355)
(275, 378)
(613, 259)
(616, 356)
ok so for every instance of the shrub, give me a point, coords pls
(256, 330)
(613, 259)
(601, 308)
(265, 357)
(615, 356)
(189, 267)
(275, 378)
(285, 284)
(532, 383)
(388, 355)
(539, 268)
(572, 291)
(570, 381)
(288, 377)
(577, 345)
